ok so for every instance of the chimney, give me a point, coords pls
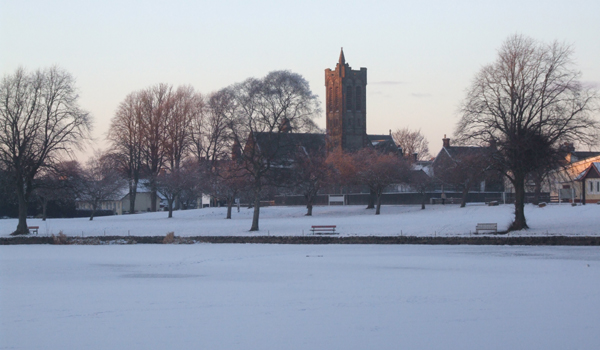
(285, 127)
(493, 145)
(446, 141)
(569, 147)
(415, 156)
(236, 151)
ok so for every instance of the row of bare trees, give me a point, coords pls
(160, 134)
(151, 133)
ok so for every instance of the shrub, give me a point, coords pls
(61, 238)
(169, 238)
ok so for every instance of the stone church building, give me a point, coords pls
(346, 110)
(346, 124)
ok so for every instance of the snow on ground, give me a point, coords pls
(441, 220)
(248, 296)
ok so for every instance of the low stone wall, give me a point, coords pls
(392, 198)
(481, 240)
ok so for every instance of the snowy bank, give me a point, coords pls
(436, 220)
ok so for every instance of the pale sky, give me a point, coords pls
(420, 55)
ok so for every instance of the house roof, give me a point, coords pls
(380, 138)
(593, 167)
(419, 175)
(383, 143)
(454, 151)
(460, 151)
(577, 156)
(142, 187)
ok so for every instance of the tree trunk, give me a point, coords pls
(153, 197)
(94, 206)
(229, 206)
(371, 204)
(519, 223)
(44, 206)
(378, 210)
(22, 225)
(256, 212)
(177, 203)
(170, 203)
(423, 197)
(537, 190)
(132, 195)
(309, 204)
(463, 201)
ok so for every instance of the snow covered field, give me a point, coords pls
(441, 220)
(244, 296)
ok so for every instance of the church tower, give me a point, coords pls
(346, 107)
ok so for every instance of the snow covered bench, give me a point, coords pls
(319, 229)
(33, 229)
(486, 227)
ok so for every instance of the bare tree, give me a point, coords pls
(156, 108)
(126, 134)
(171, 183)
(378, 171)
(227, 181)
(310, 173)
(463, 171)
(186, 106)
(412, 142)
(422, 184)
(265, 110)
(211, 143)
(370, 168)
(9, 203)
(210, 132)
(100, 182)
(529, 101)
(58, 183)
(40, 119)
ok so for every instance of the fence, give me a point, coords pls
(394, 198)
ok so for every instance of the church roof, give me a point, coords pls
(284, 145)
(342, 60)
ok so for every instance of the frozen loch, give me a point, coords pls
(210, 296)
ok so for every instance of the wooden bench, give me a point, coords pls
(320, 229)
(33, 229)
(486, 227)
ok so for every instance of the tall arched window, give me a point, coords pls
(349, 98)
(335, 102)
(330, 98)
(358, 98)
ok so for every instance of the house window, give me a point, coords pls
(594, 187)
(358, 98)
(349, 98)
